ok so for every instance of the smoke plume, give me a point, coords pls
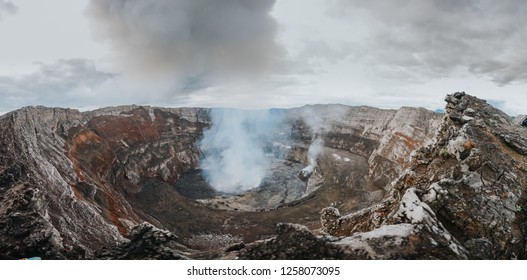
(311, 117)
(233, 148)
(189, 40)
(319, 118)
(316, 147)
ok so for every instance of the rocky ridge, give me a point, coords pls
(462, 197)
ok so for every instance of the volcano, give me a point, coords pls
(129, 182)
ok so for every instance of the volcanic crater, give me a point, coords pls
(94, 184)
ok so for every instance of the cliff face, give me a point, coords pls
(65, 174)
(462, 197)
(82, 185)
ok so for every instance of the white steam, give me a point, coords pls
(313, 152)
(317, 126)
(238, 147)
(233, 149)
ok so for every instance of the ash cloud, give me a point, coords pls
(7, 8)
(189, 41)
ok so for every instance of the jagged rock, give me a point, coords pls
(480, 248)
(146, 242)
(456, 117)
(470, 112)
(466, 119)
(400, 241)
(293, 242)
(515, 142)
(25, 230)
(378, 232)
(328, 218)
(459, 95)
(521, 120)
(452, 100)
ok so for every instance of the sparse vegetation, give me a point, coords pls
(444, 153)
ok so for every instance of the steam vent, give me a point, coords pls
(315, 182)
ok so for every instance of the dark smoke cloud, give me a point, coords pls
(436, 37)
(7, 8)
(196, 41)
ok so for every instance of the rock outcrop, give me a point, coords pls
(146, 243)
(521, 120)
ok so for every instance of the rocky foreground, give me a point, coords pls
(125, 183)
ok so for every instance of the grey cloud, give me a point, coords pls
(503, 72)
(514, 73)
(190, 39)
(487, 66)
(7, 8)
(318, 49)
(66, 82)
(311, 60)
(436, 37)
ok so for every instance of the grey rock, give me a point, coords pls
(293, 242)
(470, 112)
(146, 242)
(458, 95)
(521, 120)
(462, 105)
(456, 117)
(480, 248)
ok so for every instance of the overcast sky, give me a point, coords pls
(262, 53)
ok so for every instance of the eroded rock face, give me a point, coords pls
(465, 191)
(479, 187)
(66, 175)
(39, 213)
(444, 186)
